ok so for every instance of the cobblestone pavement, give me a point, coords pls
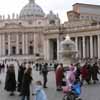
(89, 92)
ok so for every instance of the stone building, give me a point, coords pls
(34, 35)
(83, 26)
(21, 36)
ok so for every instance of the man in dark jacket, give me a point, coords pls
(44, 71)
(27, 78)
(21, 71)
(95, 71)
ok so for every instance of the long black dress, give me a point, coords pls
(10, 82)
(20, 77)
(25, 91)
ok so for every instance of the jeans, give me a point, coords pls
(25, 97)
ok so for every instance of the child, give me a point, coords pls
(39, 93)
(73, 92)
(76, 87)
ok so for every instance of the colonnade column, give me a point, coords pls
(9, 46)
(76, 42)
(45, 48)
(0, 46)
(17, 44)
(83, 46)
(48, 50)
(98, 46)
(26, 44)
(58, 47)
(91, 46)
(3, 40)
(36, 50)
(23, 43)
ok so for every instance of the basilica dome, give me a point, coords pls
(32, 9)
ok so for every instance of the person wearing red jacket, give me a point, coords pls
(59, 76)
(84, 74)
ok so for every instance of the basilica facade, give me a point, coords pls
(33, 35)
(21, 36)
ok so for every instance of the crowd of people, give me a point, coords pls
(87, 72)
(23, 81)
(84, 72)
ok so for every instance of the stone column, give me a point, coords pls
(0, 46)
(48, 50)
(17, 43)
(95, 46)
(3, 41)
(58, 47)
(91, 46)
(45, 48)
(83, 46)
(35, 43)
(23, 43)
(76, 42)
(26, 43)
(9, 45)
(98, 46)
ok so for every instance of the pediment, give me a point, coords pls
(13, 25)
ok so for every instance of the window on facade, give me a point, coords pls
(52, 22)
(20, 51)
(30, 49)
(37, 54)
(13, 50)
(6, 52)
(20, 42)
(73, 38)
(20, 23)
(31, 42)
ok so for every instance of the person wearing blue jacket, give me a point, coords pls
(39, 93)
(76, 89)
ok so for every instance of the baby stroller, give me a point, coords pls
(72, 93)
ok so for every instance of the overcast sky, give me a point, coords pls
(58, 6)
